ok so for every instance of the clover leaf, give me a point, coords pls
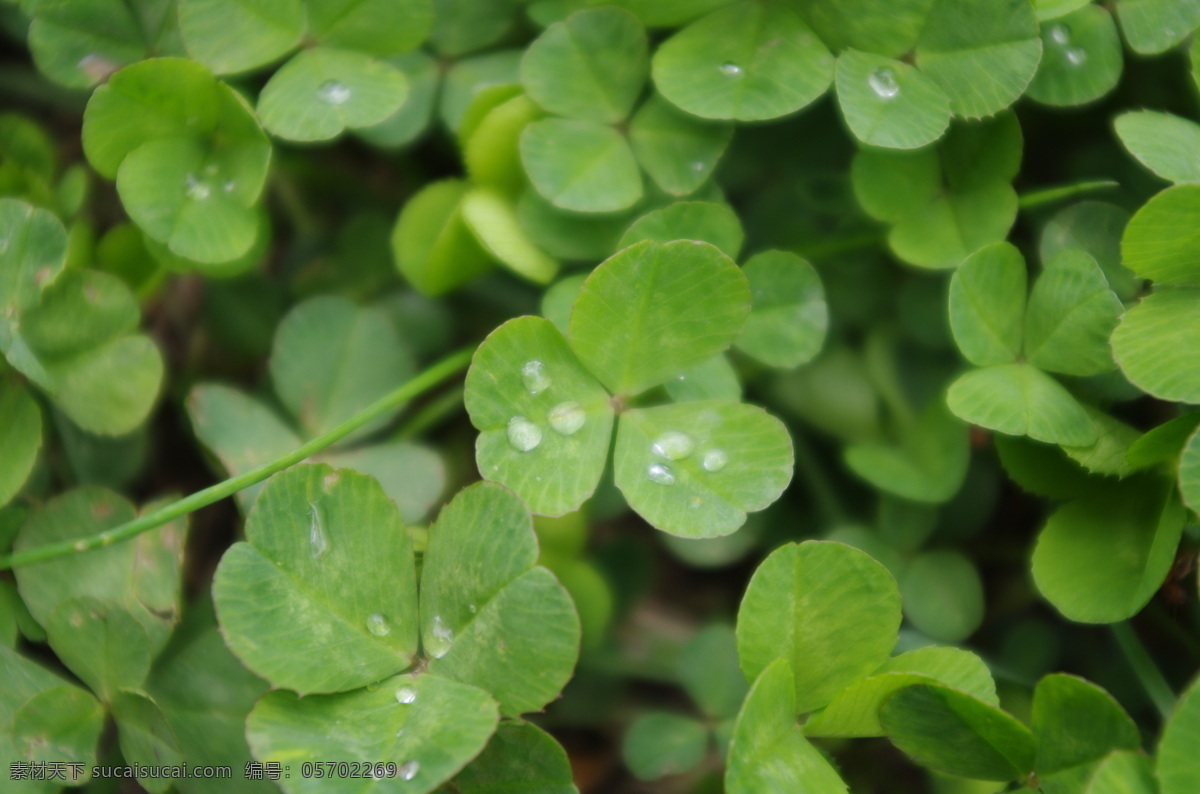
(1081, 58)
(719, 459)
(944, 203)
(677, 150)
(1077, 724)
(982, 53)
(1177, 771)
(652, 310)
(322, 92)
(423, 687)
(1100, 558)
(1154, 26)
(768, 750)
(854, 711)
(1064, 327)
(888, 103)
(583, 166)
(958, 734)
(1163, 142)
(748, 61)
(796, 607)
(538, 398)
(590, 66)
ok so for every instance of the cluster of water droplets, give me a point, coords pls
(196, 188)
(883, 82)
(675, 445)
(565, 418)
(333, 92)
(1060, 36)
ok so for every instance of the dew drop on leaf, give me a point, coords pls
(472, 608)
(523, 435)
(1075, 56)
(406, 695)
(731, 70)
(566, 418)
(333, 92)
(658, 473)
(1060, 34)
(196, 189)
(377, 624)
(409, 770)
(697, 167)
(441, 637)
(883, 83)
(318, 541)
(229, 186)
(96, 67)
(535, 377)
(673, 445)
(714, 460)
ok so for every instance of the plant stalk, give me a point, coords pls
(1148, 674)
(422, 383)
(1051, 195)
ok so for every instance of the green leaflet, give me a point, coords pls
(815, 586)
(1100, 558)
(590, 66)
(768, 750)
(748, 61)
(955, 733)
(1081, 58)
(653, 310)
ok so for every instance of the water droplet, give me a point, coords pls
(229, 186)
(714, 460)
(196, 189)
(535, 377)
(399, 733)
(96, 67)
(1075, 56)
(377, 624)
(406, 695)
(333, 92)
(660, 474)
(318, 541)
(673, 445)
(210, 169)
(409, 770)
(440, 638)
(883, 83)
(731, 70)
(1060, 34)
(697, 166)
(472, 608)
(523, 434)
(566, 418)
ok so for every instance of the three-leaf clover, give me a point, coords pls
(329, 564)
(1063, 326)
(72, 333)
(545, 404)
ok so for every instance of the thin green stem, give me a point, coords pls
(285, 190)
(419, 385)
(1148, 674)
(819, 485)
(1051, 195)
(846, 244)
(430, 415)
